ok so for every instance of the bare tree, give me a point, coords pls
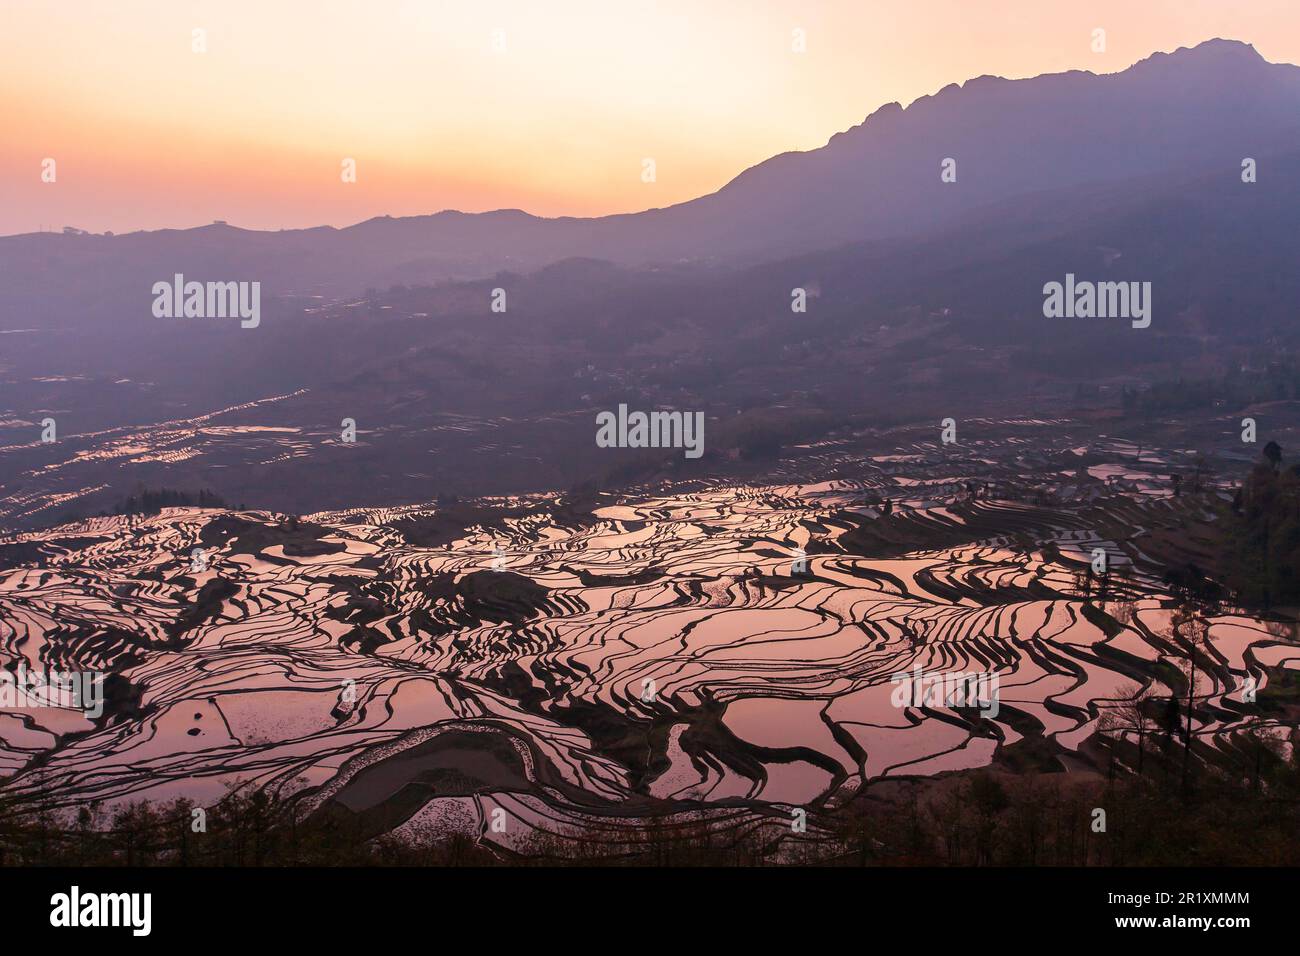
(1189, 630)
(1123, 611)
(1127, 713)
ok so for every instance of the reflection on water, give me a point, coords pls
(571, 666)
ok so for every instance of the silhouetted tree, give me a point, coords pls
(1128, 713)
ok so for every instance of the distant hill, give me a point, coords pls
(1176, 115)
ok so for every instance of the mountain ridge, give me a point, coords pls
(1196, 110)
(1223, 49)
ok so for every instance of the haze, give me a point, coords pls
(148, 134)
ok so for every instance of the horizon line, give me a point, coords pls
(515, 210)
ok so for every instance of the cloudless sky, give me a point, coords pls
(147, 133)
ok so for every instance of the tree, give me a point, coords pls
(1202, 470)
(1189, 630)
(1083, 582)
(988, 798)
(1128, 713)
(1264, 536)
(1262, 740)
(1170, 718)
(1123, 611)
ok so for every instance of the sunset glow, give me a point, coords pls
(148, 133)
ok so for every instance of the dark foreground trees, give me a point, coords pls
(1264, 542)
(1243, 810)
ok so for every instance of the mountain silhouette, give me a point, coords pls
(1171, 117)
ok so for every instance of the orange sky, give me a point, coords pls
(147, 133)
